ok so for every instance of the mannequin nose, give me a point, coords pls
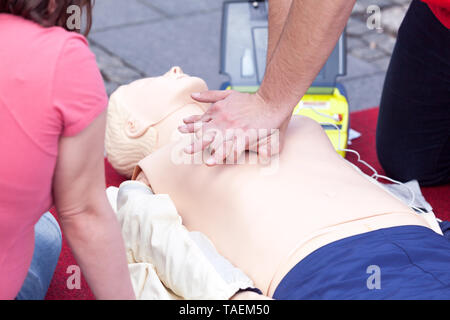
(176, 71)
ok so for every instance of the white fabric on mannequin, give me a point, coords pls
(187, 264)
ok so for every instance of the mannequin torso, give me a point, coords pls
(266, 223)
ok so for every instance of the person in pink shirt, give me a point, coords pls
(52, 123)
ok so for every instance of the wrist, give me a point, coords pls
(278, 108)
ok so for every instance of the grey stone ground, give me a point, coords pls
(139, 38)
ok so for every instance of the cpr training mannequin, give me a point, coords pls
(262, 223)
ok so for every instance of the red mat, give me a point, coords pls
(363, 121)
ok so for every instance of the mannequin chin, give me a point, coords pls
(143, 116)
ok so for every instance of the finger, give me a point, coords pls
(211, 96)
(269, 146)
(216, 147)
(229, 152)
(264, 149)
(206, 117)
(237, 150)
(272, 147)
(228, 146)
(214, 159)
(194, 123)
(200, 144)
(192, 119)
(191, 127)
(222, 152)
(255, 142)
(211, 127)
(219, 140)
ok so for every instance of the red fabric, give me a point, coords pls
(441, 9)
(363, 121)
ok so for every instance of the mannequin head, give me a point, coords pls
(144, 115)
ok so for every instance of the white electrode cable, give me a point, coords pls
(375, 174)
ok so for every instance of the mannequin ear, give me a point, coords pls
(135, 128)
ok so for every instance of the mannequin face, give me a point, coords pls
(144, 116)
(151, 99)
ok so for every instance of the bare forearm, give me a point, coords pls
(278, 13)
(308, 38)
(97, 244)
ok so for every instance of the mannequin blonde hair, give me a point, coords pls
(124, 144)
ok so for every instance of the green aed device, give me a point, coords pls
(244, 40)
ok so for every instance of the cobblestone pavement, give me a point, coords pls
(140, 38)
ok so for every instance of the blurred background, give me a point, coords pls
(141, 38)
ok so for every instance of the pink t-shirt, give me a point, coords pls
(50, 87)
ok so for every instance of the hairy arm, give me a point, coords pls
(310, 34)
(299, 46)
(278, 13)
(86, 217)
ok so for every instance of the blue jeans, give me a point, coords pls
(48, 242)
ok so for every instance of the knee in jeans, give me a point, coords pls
(49, 233)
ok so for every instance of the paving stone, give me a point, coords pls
(179, 8)
(403, 2)
(358, 8)
(357, 68)
(353, 43)
(356, 27)
(113, 68)
(364, 92)
(368, 53)
(362, 5)
(114, 13)
(382, 41)
(382, 63)
(392, 18)
(110, 87)
(191, 42)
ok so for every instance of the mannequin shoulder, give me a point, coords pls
(304, 125)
